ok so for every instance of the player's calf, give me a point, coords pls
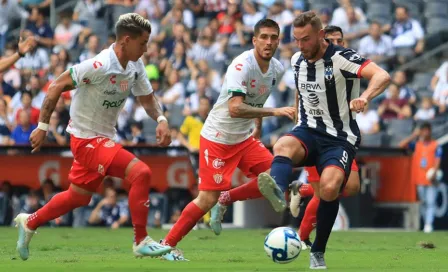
(206, 199)
(353, 185)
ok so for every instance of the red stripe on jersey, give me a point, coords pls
(362, 67)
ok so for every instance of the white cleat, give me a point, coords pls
(149, 248)
(25, 235)
(428, 229)
(317, 261)
(304, 245)
(294, 205)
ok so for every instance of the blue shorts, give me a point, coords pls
(324, 150)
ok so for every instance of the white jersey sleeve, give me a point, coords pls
(142, 85)
(236, 77)
(350, 62)
(90, 71)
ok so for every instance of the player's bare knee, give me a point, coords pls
(329, 190)
(353, 186)
(207, 199)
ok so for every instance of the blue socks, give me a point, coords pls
(281, 171)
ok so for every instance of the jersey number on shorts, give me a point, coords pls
(344, 159)
(206, 156)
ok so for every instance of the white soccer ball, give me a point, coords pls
(282, 245)
(431, 172)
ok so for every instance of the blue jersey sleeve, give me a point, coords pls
(439, 152)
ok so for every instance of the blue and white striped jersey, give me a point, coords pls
(326, 88)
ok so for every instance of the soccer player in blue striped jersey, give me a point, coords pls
(327, 78)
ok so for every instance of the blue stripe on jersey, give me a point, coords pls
(311, 77)
(332, 99)
(353, 125)
(303, 117)
(348, 74)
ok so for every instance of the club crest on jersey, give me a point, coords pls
(217, 178)
(124, 85)
(263, 89)
(86, 80)
(329, 73)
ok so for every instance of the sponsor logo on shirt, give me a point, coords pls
(113, 92)
(310, 86)
(238, 67)
(113, 104)
(255, 105)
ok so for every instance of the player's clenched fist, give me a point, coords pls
(358, 104)
(37, 138)
(163, 134)
(289, 112)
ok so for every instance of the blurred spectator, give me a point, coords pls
(56, 131)
(187, 15)
(63, 113)
(229, 19)
(400, 79)
(34, 61)
(394, 107)
(377, 46)
(213, 77)
(355, 29)
(197, 88)
(5, 124)
(368, 121)
(37, 95)
(175, 92)
(137, 136)
(213, 7)
(12, 75)
(6, 202)
(340, 16)
(5, 88)
(206, 49)
(36, 3)
(439, 85)
(91, 14)
(48, 190)
(38, 27)
(426, 110)
(9, 10)
(169, 40)
(91, 49)
(177, 61)
(407, 34)
(27, 107)
(32, 203)
(250, 17)
(21, 134)
(64, 58)
(68, 34)
(282, 16)
(109, 212)
(325, 16)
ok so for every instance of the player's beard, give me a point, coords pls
(267, 58)
(314, 53)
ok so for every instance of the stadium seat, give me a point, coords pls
(398, 129)
(372, 140)
(374, 8)
(149, 130)
(422, 81)
(435, 25)
(176, 117)
(436, 10)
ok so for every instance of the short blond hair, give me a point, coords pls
(132, 24)
(308, 18)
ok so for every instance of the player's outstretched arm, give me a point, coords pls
(152, 107)
(378, 81)
(24, 47)
(258, 128)
(63, 83)
(238, 109)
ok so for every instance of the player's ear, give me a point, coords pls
(253, 40)
(321, 34)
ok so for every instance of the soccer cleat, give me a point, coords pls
(294, 205)
(149, 248)
(428, 228)
(175, 255)
(306, 244)
(217, 214)
(271, 192)
(25, 235)
(317, 260)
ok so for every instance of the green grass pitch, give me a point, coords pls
(95, 249)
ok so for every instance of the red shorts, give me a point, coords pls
(217, 162)
(313, 175)
(92, 158)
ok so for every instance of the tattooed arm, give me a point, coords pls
(151, 105)
(258, 126)
(63, 83)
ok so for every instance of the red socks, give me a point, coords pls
(306, 190)
(187, 220)
(309, 219)
(59, 205)
(246, 191)
(139, 179)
